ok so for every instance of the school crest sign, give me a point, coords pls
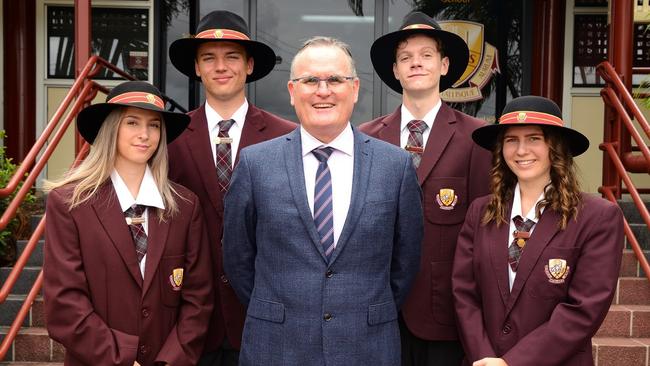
(483, 62)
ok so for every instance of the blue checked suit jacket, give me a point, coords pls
(302, 309)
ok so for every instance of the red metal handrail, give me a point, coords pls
(619, 156)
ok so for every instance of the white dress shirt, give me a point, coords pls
(408, 117)
(234, 132)
(341, 164)
(148, 195)
(516, 210)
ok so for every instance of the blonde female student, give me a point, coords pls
(537, 261)
(127, 266)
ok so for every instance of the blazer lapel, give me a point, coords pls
(253, 131)
(499, 257)
(391, 131)
(360, 177)
(542, 234)
(441, 132)
(156, 240)
(111, 217)
(296, 174)
(198, 143)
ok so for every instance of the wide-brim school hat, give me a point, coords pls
(138, 94)
(531, 110)
(220, 26)
(382, 52)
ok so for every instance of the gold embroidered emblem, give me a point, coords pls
(218, 33)
(446, 198)
(556, 270)
(521, 117)
(176, 279)
(151, 99)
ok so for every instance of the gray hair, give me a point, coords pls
(322, 41)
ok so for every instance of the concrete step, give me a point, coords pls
(642, 234)
(9, 309)
(25, 280)
(33, 345)
(36, 258)
(630, 211)
(612, 351)
(632, 291)
(630, 264)
(626, 321)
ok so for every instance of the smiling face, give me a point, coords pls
(527, 154)
(324, 111)
(138, 135)
(223, 67)
(419, 65)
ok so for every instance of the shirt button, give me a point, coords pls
(327, 317)
(145, 313)
(224, 279)
(329, 274)
(507, 329)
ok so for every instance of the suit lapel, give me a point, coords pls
(360, 177)
(391, 131)
(499, 256)
(198, 143)
(296, 174)
(156, 240)
(107, 208)
(253, 131)
(441, 132)
(542, 234)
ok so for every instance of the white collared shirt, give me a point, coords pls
(234, 132)
(516, 211)
(148, 195)
(407, 117)
(341, 164)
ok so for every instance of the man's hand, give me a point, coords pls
(489, 361)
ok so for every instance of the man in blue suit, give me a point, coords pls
(322, 228)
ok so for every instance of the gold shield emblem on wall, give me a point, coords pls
(472, 33)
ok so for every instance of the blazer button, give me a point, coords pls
(329, 274)
(144, 349)
(507, 329)
(327, 317)
(224, 279)
(145, 313)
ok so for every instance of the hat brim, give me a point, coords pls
(382, 55)
(486, 136)
(90, 119)
(182, 54)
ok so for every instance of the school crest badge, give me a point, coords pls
(556, 270)
(483, 62)
(446, 198)
(176, 279)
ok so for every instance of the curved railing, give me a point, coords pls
(82, 92)
(620, 158)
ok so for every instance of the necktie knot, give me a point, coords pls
(417, 126)
(225, 125)
(135, 211)
(522, 225)
(323, 153)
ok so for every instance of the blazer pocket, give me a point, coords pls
(445, 200)
(552, 275)
(382, 313)
(266, 310)
(171, 270)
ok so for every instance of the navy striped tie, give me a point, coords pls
(323, 213)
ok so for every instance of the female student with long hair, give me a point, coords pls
(537, 261)
(127, 277)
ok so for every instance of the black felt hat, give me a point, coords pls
(138, 94)
(531, 110)
(219, 26)
(382, 52)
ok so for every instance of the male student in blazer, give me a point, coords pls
(322, 229)
(224, 58)
(420, 60)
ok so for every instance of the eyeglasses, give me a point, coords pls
(332, 82)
